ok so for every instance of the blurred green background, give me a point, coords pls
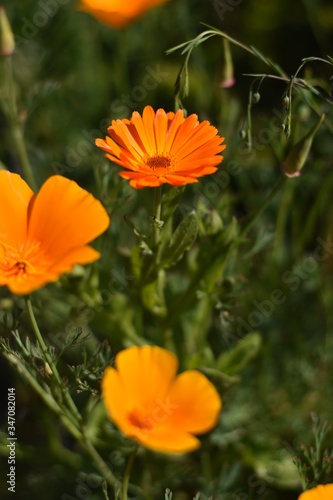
(73, 76)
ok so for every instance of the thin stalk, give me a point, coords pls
(49, 359)
(127, 474)
(188, 296)
(99, 462)
(263, 207)
(46, 397)
(157, 215)
(16, 128)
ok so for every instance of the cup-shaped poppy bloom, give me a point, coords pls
(150, 404)
(44, 236)
(163, 148)
(321, 492)
(117, 13)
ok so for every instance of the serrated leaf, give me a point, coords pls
(181, 241)
(236, 359)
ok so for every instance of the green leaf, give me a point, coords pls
(181, 241)
(236, 359)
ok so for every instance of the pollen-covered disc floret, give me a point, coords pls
(163, 148)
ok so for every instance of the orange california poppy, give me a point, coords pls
(321, 492)
(117, 13)
(163, 148)
(150, 404)
(44, 236)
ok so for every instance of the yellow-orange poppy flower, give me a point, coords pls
(44, 236)
(163, 148)
(117, 13)
(150, 404)
(321, 492)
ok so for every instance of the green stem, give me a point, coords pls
(157, 215)
(49, 359)
(180, 305)
(99, 462)
(16, 128)
(128, 473)
(263, 207)
(47, 398)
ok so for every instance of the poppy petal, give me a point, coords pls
(194, 414)
(15, 196)
(77, 220)
(146, 373)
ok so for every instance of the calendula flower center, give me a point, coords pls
(139, 421)
(160, 161)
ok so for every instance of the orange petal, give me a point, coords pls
(177, 120)
(199, 403)
(148, 117)
(168, 440)
(15, 196)
(81, 255)
(146, 373)
(138, 124)
(115, 398)
(180, 180)
(184, 131)
(64, 217)
(161, 124)
(321, 492)
(128, 140)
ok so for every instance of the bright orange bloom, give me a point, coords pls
(150, 404)
(117, 13)
(163, 148)
(44, 236)
(321, 492)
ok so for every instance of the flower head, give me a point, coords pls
(152, 405)
(117, 13)
(163, 148)
(321, 492)
(44, 236)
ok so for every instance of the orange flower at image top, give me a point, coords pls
(150, 404)
(163, 148)
(117, 13)
(44, 236)
(321, 492)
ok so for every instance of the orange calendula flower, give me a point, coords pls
(117, 13)
(44, 236)
(150, 404)
(163, 148)
(321, 492)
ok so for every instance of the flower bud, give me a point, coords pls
(285, 102)
(7, 42)
(297, 156)
(227, 76)
(256, 98)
